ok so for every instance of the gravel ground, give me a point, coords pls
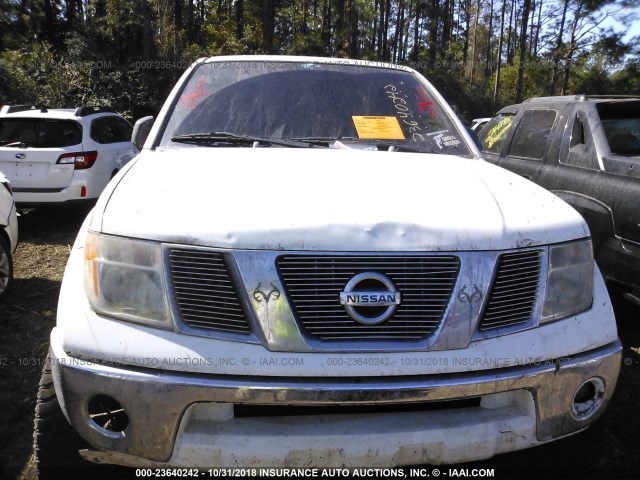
(607, 450)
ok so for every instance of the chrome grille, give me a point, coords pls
(313, 285)
(515, 290)
(203, 292)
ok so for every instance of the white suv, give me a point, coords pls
(61, 155)
(351, 285)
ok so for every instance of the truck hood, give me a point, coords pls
(330, 200)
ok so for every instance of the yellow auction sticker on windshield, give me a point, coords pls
(378, 128)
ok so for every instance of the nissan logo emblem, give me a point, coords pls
(370, 298)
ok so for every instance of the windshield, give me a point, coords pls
(39, 133)
(311, 102)
(621, 125)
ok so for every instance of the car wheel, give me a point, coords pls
(55, 442)
(6, 268)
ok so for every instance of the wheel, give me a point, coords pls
(6, 267)
(55, 442)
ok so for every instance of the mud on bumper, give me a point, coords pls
(188, 420)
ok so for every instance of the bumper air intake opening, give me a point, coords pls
(247, 410)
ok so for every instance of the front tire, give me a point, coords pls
(55, 442)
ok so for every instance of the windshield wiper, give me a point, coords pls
(16, 144)
(324, 141)
(226, 137)
(295, 142)
(401, 147)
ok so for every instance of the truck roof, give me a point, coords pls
(582, 98)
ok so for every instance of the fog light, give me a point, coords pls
(588, 399)
(107, 415)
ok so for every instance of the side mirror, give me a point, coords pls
(141, 131)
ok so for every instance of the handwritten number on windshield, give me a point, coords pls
(404, 113)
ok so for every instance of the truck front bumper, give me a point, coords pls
(194, 420)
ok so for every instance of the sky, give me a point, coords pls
(634, 29)
(629, 25)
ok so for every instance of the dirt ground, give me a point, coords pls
(609, 449)
(26, 318)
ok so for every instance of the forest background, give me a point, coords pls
(480, 54)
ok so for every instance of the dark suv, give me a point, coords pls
(585, 149)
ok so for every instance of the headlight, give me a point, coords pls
(569, 280)
(124, 279)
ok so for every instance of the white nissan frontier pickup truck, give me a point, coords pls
(310, 264)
